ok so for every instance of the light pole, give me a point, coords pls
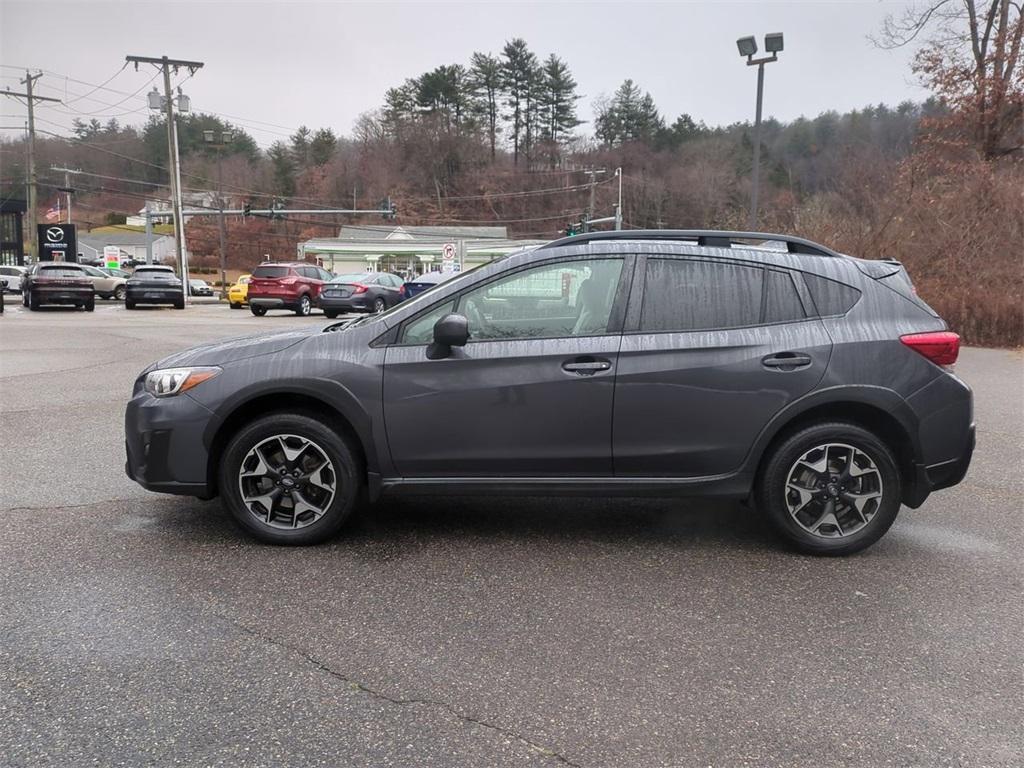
(226, 137)
(748, 47)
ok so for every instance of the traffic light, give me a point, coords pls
(277, 207)
(388, 209)
(573, 229)
(246, 209)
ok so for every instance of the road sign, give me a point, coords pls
(112, 256)
(58, 242)
(448, 254)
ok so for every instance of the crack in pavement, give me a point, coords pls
(51, 507)
(363, 688)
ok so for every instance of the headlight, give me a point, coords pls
(173, 381)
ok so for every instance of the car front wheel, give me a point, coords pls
(289, 479)
(831, 488)
(119, 293)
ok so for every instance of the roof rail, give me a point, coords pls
(706, 237)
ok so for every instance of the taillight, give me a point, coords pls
(360, 288)
(401, 291)
(941, 347)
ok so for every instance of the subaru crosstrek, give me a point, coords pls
(742, 365)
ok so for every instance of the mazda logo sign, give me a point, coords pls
(55, 234)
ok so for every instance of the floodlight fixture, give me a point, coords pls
(747, 46)
(773, 42)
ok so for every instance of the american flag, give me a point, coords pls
(54, 213)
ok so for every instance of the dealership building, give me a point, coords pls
(409, 250)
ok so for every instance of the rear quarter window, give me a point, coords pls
(831, 297)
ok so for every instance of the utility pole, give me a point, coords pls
(593, 189)
(618, 205)
(165, 65)
(30, 99)
(67, 189)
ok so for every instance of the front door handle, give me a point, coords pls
(586, 366)
(786, 361)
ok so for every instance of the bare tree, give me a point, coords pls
(971, 60)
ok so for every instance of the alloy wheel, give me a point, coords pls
(287, 481)
(379, 305)
(833, 490)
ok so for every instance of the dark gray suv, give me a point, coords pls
(741, 365)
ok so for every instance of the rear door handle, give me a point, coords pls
(586, 367)
(786, 361)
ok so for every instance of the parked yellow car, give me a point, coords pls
(238, 292)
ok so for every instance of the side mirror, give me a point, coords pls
(452, 330)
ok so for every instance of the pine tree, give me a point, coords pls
(558, 100)
(485, 83)
(518, 68)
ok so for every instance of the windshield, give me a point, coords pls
(355, 277)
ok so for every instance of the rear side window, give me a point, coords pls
(154, 274)
(781, 301)
(270, 272)
(831, 297)
(684, 295)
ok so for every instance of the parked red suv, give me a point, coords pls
(292, 285)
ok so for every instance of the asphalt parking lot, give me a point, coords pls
(138, 629)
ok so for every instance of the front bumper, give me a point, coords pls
(164, 444)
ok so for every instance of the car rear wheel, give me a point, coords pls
(90, 305)
(179, 303)
(305, 306)
(831, 488)
(119, 293)
(129, 304)
(330, 314)
(258, 311)
(289, 479)
(379, 305)
(33, 301)
(235, 305)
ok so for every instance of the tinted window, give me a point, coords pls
(831, 297)
(571, 298)
(420, 330)
(354, 277)
(781, 301)
(154, 274)
(699, 295)
(61, 271)
(270, 272)
(324, 274)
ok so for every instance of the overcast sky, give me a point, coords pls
(272, 66)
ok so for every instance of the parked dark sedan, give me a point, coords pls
(361, 292)
(199, 288)
(423, 283)
(154, 284)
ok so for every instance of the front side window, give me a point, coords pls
(570, 298)
(681, 295)
(420, 330)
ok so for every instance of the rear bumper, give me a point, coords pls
(153, 295)
(63, 295)
(272, 302)
(350, 304)
(164, 445)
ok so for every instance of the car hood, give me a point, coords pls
(232, 350)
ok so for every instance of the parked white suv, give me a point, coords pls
(12, 275)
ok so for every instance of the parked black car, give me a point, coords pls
(58, 282)
(424, 282)
(199, 288)
(154, 284)
(360, 292)
(815, 385)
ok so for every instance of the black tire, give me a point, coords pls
(258, 311)
(772, 489)
(90, 305)
(348, 476)
(120, 292)
(330, 314)
(179, 304)
(33, 302)
(379, 305)
(129, 304)
(305, 306)
(235, 305)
